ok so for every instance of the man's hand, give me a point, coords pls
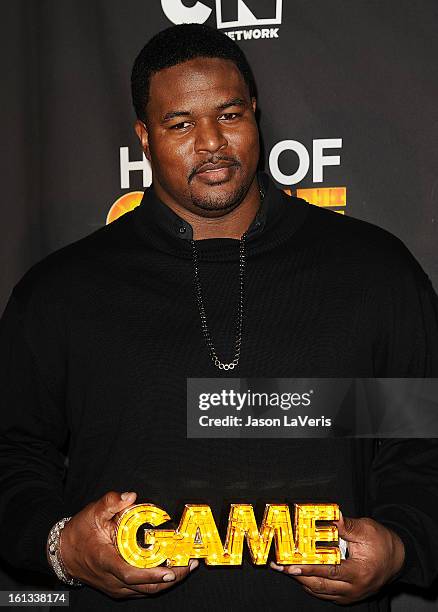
(89, 554)
(376, 554)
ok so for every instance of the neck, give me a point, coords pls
(231, 225)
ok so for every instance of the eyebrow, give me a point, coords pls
(173, 114)
(223, 106)
(233, 102)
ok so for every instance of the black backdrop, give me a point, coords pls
(347, 93)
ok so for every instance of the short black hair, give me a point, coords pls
(179, 44)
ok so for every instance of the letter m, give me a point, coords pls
(276, 524)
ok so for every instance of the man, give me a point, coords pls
(216, 270)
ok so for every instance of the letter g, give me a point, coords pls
(204, 403)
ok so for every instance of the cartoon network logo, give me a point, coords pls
(244, 16)
(308, 162)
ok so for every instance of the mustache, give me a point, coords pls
(213, 160)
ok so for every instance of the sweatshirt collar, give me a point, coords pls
(276, 220)
(181, 229)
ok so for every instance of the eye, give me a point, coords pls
(183, 125)
(229, 116)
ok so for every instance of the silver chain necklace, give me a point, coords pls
(206, 332)
(217, 362)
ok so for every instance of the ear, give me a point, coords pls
(254, 104)
(142, 133)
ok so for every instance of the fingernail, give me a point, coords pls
(169, 577)
(193, 565)
(274, 566)
(294, 571)
(126, 495)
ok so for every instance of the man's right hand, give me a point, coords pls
(89, 553)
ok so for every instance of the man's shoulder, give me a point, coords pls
(363, 245)
(68, 266)
(350, 229)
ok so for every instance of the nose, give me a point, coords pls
(209, 137)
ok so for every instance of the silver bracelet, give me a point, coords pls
(54, 553)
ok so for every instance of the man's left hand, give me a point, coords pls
(376, 555)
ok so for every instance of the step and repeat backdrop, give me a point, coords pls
(347, 96)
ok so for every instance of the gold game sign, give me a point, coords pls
(142, 545)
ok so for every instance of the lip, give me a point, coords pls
(216, 173)
(208, 168)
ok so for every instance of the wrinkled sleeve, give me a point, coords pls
(33, 432)
(404, 476)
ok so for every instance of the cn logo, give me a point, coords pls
(177, 12)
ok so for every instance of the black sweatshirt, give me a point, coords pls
(97, 342)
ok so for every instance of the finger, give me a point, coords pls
(164, 575)
(131, 575)
(171, 577)
(129, 594)
(112, 586)
(334, 598)
(322, 586)
(350, 529)
(346, 571)
(119, 591)
(111, 503)
(144, 590)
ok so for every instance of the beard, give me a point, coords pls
(220, 201)
(212, 197)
